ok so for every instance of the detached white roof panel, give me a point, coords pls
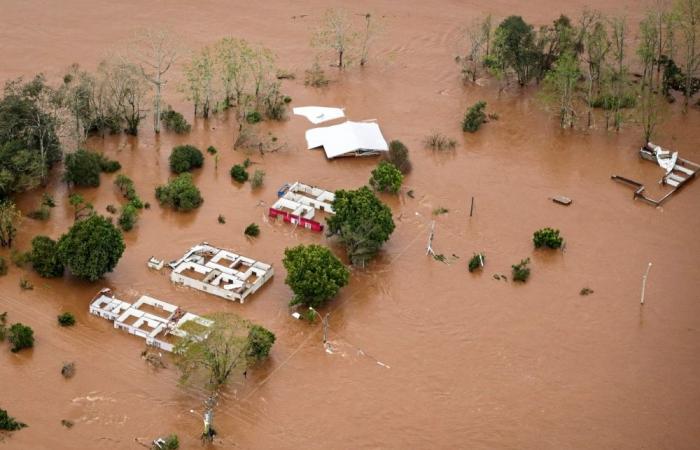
(347, 137)
(319, 114)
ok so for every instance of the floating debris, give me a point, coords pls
(566, 201)
(586, 291)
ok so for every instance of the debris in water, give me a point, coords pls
(586, 291)
(68, 370)
(566, 201)
(67, 423)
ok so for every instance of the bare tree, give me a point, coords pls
(372, 28)
(336, 34)
(687, 14)
(199, 84)
(476, 39)
(619, 75)
(155, 51)
(231, 61)
(128, 90)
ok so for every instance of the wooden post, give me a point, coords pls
(471, 209)
(644, 282)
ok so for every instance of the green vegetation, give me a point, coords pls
(81, 208)
(91, 248)
(180, 193)
(521, 271)
(25, 284)
(66, 319)
(260, 341)
(171, 442)
(440, 211)
(314, 274)
(547, 237)
(10, 218)
(315, 76)
(3, 266)
(21, 337)
(361, 222)
(174, 121)
(82, 168)
(212, 150)
(44, 257)
(253, 117)
(386, 177)
(239, 173)
(109, 165)
(185, 158)
(474, 117)
(398, 156)
(8, 423)
(128, 218)
(440, 142)
(221, 219)
(477, 261)
(258, 178)
(252, 230)
(44, 211)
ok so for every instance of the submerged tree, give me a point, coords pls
(210, 356)
(199, 84)
(180, 193)
(514, 48)
(596, 47)
(386, 177)
(10, 218)
(362, 223)
(478, 37)
(369, 33)
(44, 257)
(314, 274)
(687, 13)
(128, 90)
(560, 87)
(336, 33)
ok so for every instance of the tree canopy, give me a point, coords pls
(91, 248)
(180, 193)
(361, 222)
(314, 274)
(514, 48)
(20, 336)
(44, 257)
(386, 177)
(184, 158)
(82, 168)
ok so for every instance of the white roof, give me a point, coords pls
(347, 137)
(319, 114)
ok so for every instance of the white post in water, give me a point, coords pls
(644, 282)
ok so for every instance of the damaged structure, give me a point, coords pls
(348, 139)
(161, 324)
(319, 114)
(220, 272)
(678, 172)
(298, 204)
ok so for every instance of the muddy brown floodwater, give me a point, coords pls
(469, 361)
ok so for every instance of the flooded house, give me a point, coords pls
(299, 204)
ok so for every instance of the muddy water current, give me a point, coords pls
(425, 354)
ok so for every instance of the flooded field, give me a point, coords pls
(426, 355)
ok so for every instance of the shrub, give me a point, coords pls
(257, 179)
(170, 442)
(68, 370)
(108, 165)
(314, 274)
(440, 142)
(253, 117)
(25, 284)
(19, 258)
(174, 121)
(398, 156)
(521, 271)
(274, 104)
(315, 76)
(477, 261)
(260, 341)
(287, 99)
(547, 237)
(474, 117)
(44, 257)
(184, 158)
(111, 209)
(126, 187)
(211, 150)
(221, 219)
(180, 193)
(386, 177)
(239, 173)
(43, 213)
(47, 200)
(21, 337)
(3, 266)
(440, 211)
(82, 168)
(252, 230)
(8, 423)
(128, 217)
(66, 319)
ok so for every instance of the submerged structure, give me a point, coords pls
(298, 203)
(348, 139)
(160, 323)
(220, 272)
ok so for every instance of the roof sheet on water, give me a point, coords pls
(347, 137)
(319, 114)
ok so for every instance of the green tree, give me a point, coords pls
(687, 14)
(314, 274)
(474, 117)
(596, 48)
(91, 248)
(386, 177)
(560, 88)
(8, 423)
(260, 341)
(66, 319)
(180, 193)
(361, 222)
(21, 337)
(239, 173)
(10, 218)
(128, 217)
(184, 158)
(199, 84)
(44, 257)
(547, 237)
(82, 168)
(514, 48)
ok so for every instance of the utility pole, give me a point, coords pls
(324, 322)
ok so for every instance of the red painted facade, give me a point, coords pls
(294, 219)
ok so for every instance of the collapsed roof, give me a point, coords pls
(319, 114)
(347, 139)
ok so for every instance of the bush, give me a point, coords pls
(111, 209)
(239, 173)
(21, 337)
(521, 271)
(19, 258)
(476, 262)
(174, 121)
(82, 168)
(314, 274)
(47, 200)
(25, 284)
(43, 213)
(315, 76)
(257, 179)
(386, 177)
(260, 341)
(8, 423)
(171, 442)
(547, 237)
(211, 150)
(398, 156)
(44, 257)
(128, 217)
(108, 165)
(252, 230)
(221, 219)
(180, 193)
(66, 319)
(184, 158)
(91, 247)
(440, 142)
(253, 117)
(3, 266)
(474, 117)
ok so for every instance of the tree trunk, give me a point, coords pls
(156, 109)
(340, 59)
